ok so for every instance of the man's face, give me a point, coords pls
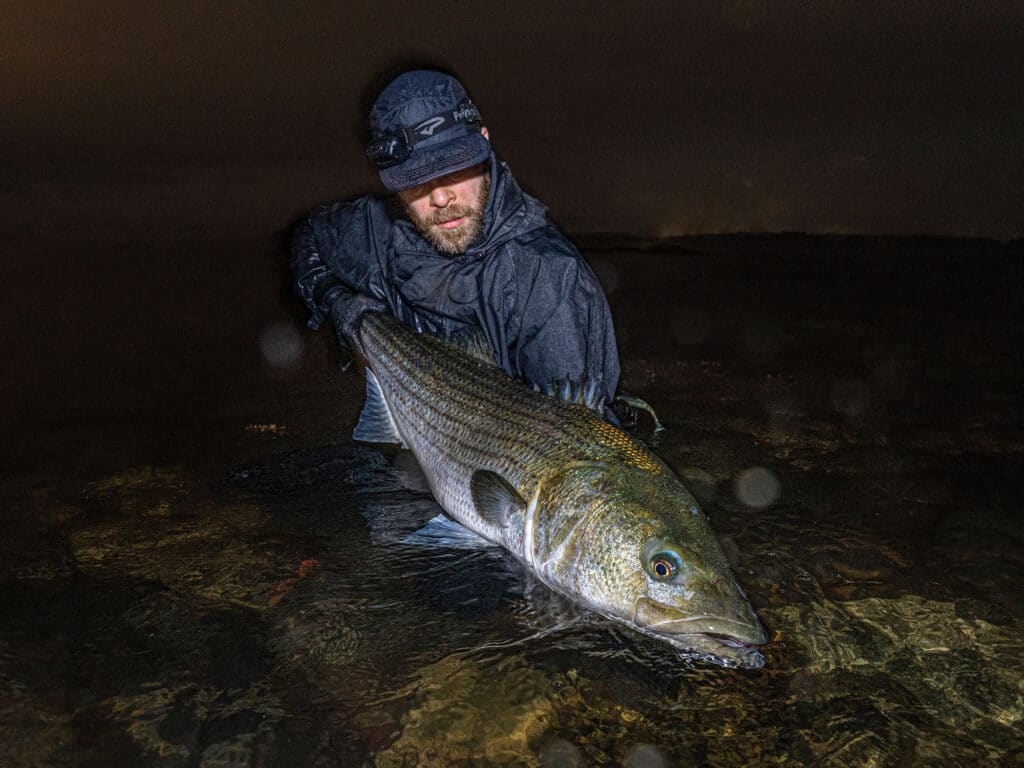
(449, 210)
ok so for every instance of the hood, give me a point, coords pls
(449, 288)
(510, 212)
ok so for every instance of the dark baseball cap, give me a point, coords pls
(425, 126)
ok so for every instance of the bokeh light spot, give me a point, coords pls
(757, 487)
(281, 344)
(560, 754)
(645, 756)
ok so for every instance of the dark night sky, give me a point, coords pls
(655, 118)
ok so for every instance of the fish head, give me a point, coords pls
(689, 598)
(650, 559)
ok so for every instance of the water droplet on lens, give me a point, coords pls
(645, 756)
(560, 754)
(757, 487)
(281, 344)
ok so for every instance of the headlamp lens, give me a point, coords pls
(388, 150)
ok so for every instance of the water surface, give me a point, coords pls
(199, 567)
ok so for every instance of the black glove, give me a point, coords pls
(347, 309)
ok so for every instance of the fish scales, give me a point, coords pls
(484, 421)
(508, 406)
(594, 513)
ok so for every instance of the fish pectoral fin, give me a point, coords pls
(496, 501)
(375, 422)
(442, 531)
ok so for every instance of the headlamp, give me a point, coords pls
(390, 149)
(395, 146)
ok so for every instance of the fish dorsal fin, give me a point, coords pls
(474, 343)
(588, 392)
(495, 500)
(375, 422)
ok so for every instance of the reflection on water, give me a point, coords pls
(275, 615)
(280, 617)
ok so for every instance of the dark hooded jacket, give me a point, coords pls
(539, 305)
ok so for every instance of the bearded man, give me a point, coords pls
(460, 246)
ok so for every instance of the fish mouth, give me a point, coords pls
(727, 641)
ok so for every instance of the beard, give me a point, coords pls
(454, 241)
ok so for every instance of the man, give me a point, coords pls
(463, 246)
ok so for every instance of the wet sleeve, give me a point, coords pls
(313, 279)
(565, 326)
(333, 252)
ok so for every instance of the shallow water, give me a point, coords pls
(200, 568)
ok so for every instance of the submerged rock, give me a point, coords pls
(463, 714)
(917, 666)
(154, 527)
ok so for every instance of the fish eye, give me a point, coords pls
(665, 565)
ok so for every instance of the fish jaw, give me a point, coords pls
(663, 619)
(728, 641)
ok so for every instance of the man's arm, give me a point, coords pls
(333, 254)
(566, 331)
(314, 281)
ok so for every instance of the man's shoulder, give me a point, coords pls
(548, 245)
(538, 233)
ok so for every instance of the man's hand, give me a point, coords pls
(347, 308)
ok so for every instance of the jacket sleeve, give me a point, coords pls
(313, 280)
(565, 326)
(333, 252)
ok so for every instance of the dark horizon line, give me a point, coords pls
(584, 239)
(594, 238)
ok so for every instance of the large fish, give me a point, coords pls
(596, 515)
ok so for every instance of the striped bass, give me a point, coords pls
(589, 509)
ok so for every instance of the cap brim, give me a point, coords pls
(431, 162)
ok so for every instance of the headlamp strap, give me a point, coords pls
(464, 113)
